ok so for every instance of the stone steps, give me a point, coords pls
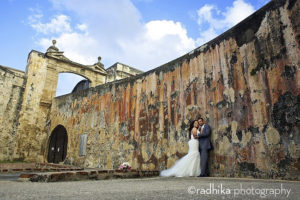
(92, 174)
(35, 167)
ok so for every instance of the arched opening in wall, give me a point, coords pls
(58, 143)
(68, 82)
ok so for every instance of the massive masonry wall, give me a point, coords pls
(41, 82)
(246, 82)
(11, 93)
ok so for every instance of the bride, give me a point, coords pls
(189, 165)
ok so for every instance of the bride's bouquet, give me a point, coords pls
(125, 166)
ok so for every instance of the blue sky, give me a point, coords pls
(141, 33)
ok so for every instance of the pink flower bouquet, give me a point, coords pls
(125, 166)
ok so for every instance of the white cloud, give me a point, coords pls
(160, 42)
(213, 22)
(205, 13)
(238, 12)
(59, 24)
(206, 36)
(82, 27)
(114, 30)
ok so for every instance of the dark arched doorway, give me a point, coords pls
(58, 141)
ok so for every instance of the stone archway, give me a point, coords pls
(58, 142)
(55, 63)
(42, 73)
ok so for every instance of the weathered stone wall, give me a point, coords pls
(26, 99)
(11, 93)
(246, 82)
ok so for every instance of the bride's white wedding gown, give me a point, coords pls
(189, 165)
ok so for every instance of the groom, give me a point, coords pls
(204, 145)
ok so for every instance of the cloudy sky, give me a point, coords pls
(141, 33)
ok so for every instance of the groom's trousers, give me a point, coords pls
(204, 162)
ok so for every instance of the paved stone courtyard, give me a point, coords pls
(151, 188)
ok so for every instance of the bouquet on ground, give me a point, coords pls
(125, 166)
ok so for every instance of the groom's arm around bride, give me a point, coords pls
(204, 137)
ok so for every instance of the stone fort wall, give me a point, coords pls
(12, 84)
(246, 82)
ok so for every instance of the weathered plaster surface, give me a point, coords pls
(11, 94)
(246, 82)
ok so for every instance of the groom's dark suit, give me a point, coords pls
(204, 146)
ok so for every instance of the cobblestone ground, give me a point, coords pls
(152, 188)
